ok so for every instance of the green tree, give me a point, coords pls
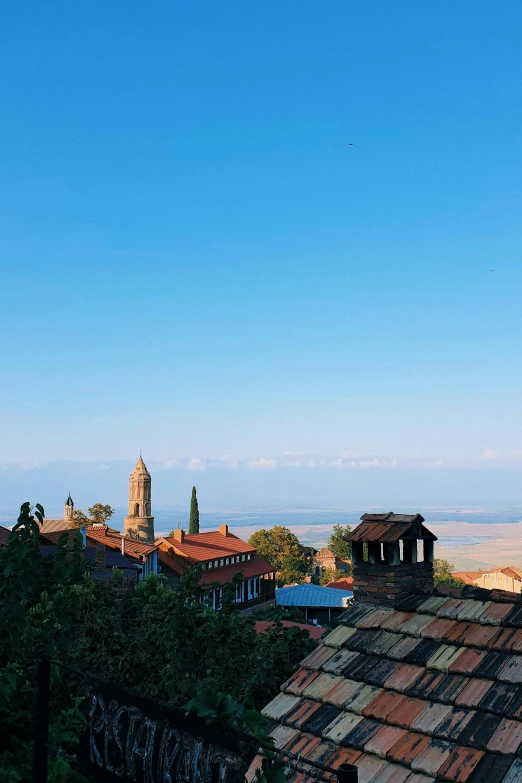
(281, 548)
(442, 572)
(338, 543)
(194, 513)
(330, 575)
(152, 639)
(79, 518)
(101, 513)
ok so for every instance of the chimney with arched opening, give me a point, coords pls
(392, 556)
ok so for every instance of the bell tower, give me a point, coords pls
(139, 523)
(68, 509)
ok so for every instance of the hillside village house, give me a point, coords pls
(221, 555)
(325, 560)
(507, 578)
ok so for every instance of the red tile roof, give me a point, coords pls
(429, 690)
(263, 625)
(250, 568)
(112, 539)
(200, 547)
(342, 584)
(172, 563)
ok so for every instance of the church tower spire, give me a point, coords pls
(68, 509)
(139, 523)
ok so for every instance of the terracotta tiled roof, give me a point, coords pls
(200, 547)
(250, 568)
(173, 564)
(52, 525)
(342, 584)
(113, 540)
(431, 690)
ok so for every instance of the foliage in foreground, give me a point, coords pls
(157, 641)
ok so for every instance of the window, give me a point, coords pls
(210, 564)
(216, 563)
(243, 558)
(221, 562)
(227, 561)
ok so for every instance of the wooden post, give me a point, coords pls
(43, 690)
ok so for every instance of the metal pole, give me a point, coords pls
(347, 773)
(43, 690)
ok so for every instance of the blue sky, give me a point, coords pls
(196, 263)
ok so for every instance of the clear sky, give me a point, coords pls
(195, 262)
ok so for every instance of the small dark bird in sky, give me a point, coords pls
(491, 270)
(350, 145)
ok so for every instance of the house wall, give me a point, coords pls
(496, 580)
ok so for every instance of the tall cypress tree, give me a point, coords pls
(194, 513)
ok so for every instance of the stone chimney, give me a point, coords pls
(386, 558)
(179, 535)
(223, 529)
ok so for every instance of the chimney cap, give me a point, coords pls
(389, 528)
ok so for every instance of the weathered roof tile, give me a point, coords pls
(405, 712)
(360, 666)
(395, 621)
(467, 662)
(363, 733)
(373, 619)
(514, 708)
(427, 721)
(339, 636)
(416, 625)
(495, 613)
(479, 731)
(460, 764)
(452, 726)
(383, 643)
(280, 705)
(364, 696)
(514, 774)
(491, 665)
(391, 773)
(425, 684)
(319, 686)
(299, 714)
(282, 734)
(340, 661)
(412, 603)
(507, 738)
(381, 707)
(368, 767)
(472, 610)
(449, 688)
(480, 635)
(401, 679)
(362, 639)
(438, 628)
(381, 671)
(403, 648)
(504, 638)
(299, 681)
(498, 697)
(490, 769)
(338, 728)
(382, 741)
(423, 652)
(432, 757)
(431, 605)
(408, 748)
(341, 691)
(319, 656)
(514, 617)
(512, 670)
(473, 693)
(444, 657)
(354, 613)
(319, 720)
(452, 608)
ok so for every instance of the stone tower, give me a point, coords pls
(139, 523)
(68, 510)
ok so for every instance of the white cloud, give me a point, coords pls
(490, 454)
(293, 463)
(196, 464)
(310, 464)
(261, 464)
(293, 453)
(171, 463)
(229, 461)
